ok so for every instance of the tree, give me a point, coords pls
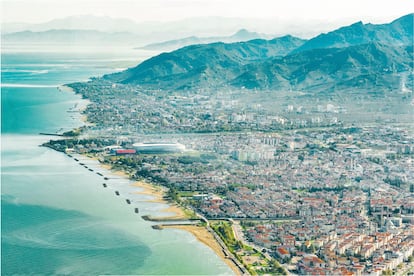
(173, 194)
(411, 259)
(276, 268)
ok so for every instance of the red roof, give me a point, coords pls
(125, 151)
(282, 251)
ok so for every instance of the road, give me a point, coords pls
(239, 235)
(226, 251)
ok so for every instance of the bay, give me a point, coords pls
(56, 216)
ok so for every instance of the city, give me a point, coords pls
(182, 137)
(319, 195)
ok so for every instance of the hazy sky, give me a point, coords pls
(375, 11)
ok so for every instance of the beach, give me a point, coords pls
(199, 232)
(174, 212)
(204, 236)
(158, 193)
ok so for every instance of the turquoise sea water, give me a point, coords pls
(57, 218)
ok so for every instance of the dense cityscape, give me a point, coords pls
(183, 137)
(316, 193)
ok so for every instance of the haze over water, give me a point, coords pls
(56, 216)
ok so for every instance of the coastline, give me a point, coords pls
(205, 237)
(173, 211)
(158, 193)
(66, 88)
(199, 232)
(83, 103)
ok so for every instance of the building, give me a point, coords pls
(158, 148)
(124, 151)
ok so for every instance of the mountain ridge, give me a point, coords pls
(365, 54)
(213, 60)
(240, 35)
(339, 65)
(72, 36)
(397, 32)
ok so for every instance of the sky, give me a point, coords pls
(369, 11)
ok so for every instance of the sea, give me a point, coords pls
(57, 218)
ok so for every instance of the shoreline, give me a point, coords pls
(66, 88)
(204, 236)
(82, 102)
(199, 232)
(173, 211)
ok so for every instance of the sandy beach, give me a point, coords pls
(199, 232)
(158, 193)
(208, 239)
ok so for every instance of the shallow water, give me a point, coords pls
(57, 218)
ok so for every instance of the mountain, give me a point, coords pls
(241, 35)
(252, 66)
(155, 32)
(206, 64)
(71, 37)
(354, 57)
(79, 22)
(367, 66)
(176, 43)
(398, 32)
(244, 35)
(195, 31)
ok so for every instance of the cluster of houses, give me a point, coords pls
(336, 187)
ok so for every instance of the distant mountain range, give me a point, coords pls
(81, 22)
(359, 56)
(144, 33)
(241, 35)
(74, 37)
(73, 29)
(131, 39)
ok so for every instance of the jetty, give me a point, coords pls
(161, 226)
(171, 220)
(51, 134)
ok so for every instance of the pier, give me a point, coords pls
(161, 226)
(51, 134)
